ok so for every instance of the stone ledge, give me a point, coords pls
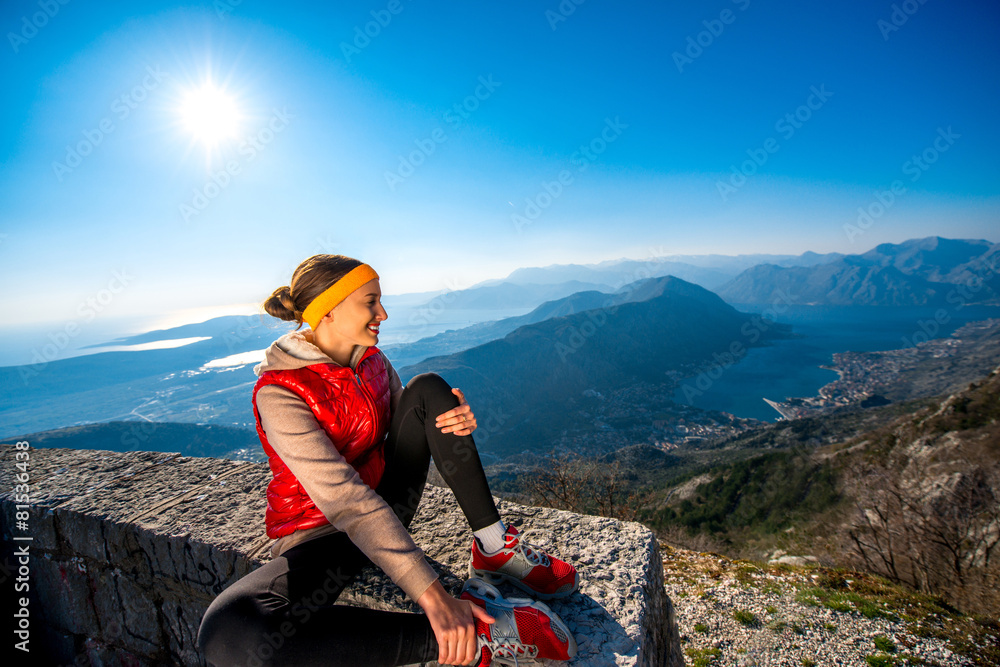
(129, 549)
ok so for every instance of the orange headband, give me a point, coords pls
(336, 293)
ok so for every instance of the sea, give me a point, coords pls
(792, 367)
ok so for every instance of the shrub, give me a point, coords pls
(885, 644)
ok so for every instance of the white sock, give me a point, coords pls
(491, 537)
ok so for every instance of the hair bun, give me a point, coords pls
(281, 305)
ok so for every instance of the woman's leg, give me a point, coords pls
(283, 613)
(411, 442)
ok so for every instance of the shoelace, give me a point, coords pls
(500, 649)
(534, 557)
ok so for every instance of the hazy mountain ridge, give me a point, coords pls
(214, 440)
(513, 295)
(456, 340)
(931, 271)
(545, 368)
(533, 285)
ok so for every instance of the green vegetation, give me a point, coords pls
(885, 644)
(843, 602)
(766, 494)
(700, 627)
(746, 618)
(703, 657)
(882, 660)
(806, 662)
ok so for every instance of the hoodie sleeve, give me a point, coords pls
(335, 486)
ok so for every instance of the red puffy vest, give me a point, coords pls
(352, 406)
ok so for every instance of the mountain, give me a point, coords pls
(734, 264)
(843, 282)
(511, 295)
(618, 272)
(226, 442)
(919, 272)
(186, 383)
(456, 340)
(538, 379)
(932, 258)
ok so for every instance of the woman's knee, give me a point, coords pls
(429, 382)
(231, 628)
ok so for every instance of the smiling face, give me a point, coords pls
(353, 321)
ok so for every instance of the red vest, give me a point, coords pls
(352, 406)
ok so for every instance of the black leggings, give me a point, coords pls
(283, 613)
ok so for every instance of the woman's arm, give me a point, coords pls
(336, 488)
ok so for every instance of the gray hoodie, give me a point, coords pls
(350, 505)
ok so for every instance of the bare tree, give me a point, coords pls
(941, 538)
(587, 486)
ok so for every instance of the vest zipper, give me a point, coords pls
(370, 401)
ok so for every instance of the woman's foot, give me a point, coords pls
(524, 629)
(525, 567)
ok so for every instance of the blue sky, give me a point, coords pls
(423, 146)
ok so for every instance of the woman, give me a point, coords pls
(349, 449)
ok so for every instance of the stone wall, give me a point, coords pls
(127, 550)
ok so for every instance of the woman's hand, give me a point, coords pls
(453, 622)
(460, 420)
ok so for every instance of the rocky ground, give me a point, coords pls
(743, 613)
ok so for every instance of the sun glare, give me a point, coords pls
(210, 115)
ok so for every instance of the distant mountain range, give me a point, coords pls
(607, 325)
(920, 272)
(536, 378)
(530, 286)
(224, 442)
(456, 340)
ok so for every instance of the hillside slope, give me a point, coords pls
(916, 500)
(538, 378)
(918, 272)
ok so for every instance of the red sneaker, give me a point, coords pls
(524, 629)
(525, 567)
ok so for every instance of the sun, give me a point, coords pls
(210, 115)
